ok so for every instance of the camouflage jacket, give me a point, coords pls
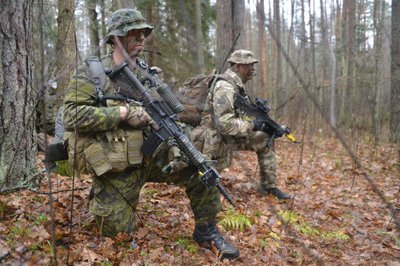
(224, 118)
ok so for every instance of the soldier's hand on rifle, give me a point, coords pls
(137, 117)
(177, 160)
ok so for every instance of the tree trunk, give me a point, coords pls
(332, 95)
(262, 36)
(350, 58)
(230, 16)
(313, 78)
(150, 41)
(103, 25)
(395, 77)
(17, 98)
(324, 43)
(280, 93)
(65, 46)
(290, 38)
(303, 43)
(332, 89)
(199, 67)
(193, 45)
(93, 27)
(377, 22)
(323, 63)
(248, 30)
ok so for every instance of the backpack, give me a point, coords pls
(193, 95)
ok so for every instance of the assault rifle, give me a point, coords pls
(160, 112)
(259, 110)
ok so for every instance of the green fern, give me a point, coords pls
(234, 221)
(297, 221)
(274, 236)
(335, 235)
(289, 216)
(309, 230)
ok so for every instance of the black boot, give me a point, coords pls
(277, 193)
(208, 236)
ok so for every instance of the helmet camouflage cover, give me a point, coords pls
(124, 20)
(242, 57)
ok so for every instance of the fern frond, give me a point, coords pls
(234, 221)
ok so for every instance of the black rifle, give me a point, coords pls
(259, 110)
(168, 127)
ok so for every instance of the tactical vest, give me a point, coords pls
(111, 151)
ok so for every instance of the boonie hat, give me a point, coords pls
(123, 20)
(242, 57)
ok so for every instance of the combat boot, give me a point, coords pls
(208, 236)
(275, 192)
(278, 193)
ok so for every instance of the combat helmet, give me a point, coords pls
(124, 20)
(242, 57)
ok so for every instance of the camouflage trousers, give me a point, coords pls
(116, 196)
(257, 142)
(220, 148)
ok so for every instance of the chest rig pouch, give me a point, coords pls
(116, 150)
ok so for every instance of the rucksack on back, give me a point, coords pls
(193, 95)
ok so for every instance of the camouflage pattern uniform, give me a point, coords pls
(109, 149)
(225, 129)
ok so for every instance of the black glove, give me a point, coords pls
(258, 125)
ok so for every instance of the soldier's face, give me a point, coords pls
(133, 42)
(246, 72)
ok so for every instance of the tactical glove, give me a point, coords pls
(137, 117)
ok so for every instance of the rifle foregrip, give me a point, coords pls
(170, 98)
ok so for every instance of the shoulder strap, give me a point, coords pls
(97, 73)
(226, 78)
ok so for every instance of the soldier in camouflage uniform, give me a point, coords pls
(105, 140)
(225, 128)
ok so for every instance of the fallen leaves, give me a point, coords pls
(331, 200)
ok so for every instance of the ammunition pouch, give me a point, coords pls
(111, 151)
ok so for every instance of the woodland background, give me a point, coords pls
(330, 70)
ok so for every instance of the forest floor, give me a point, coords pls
(335, 217)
